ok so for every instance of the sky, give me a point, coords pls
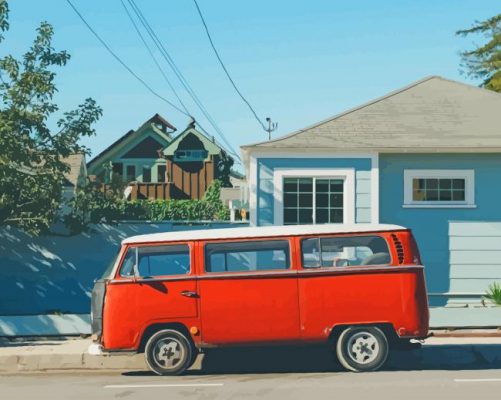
(296, 61)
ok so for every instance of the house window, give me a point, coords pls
(190, 155)
(146, 174)
(161, 173)
(131, 173)
(117, 169)
(313, 200)
(439, 188)
(442, 189)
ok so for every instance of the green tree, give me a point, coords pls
(484, 62)
(31, 152)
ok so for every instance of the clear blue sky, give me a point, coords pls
(296, 61)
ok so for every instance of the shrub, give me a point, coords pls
(91, 205)
(494, 293)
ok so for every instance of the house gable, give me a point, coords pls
(192, 139)
(147, 148)
(142, 143)
(426, 115)
(193, 161)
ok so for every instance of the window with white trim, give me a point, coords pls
(439, 188)
(190, 155)
(313, 200)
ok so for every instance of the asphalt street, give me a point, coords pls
(485, 384)
(434, 372)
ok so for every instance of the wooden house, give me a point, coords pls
(156, 164)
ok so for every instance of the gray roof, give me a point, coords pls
(433, 113)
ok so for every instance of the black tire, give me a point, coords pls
(362, 348)
(168, 352)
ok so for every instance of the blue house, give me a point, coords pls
(428, 157)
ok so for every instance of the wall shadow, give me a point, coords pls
(54, 274)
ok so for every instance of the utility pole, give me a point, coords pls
(272, 126)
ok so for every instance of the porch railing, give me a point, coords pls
(147, 190)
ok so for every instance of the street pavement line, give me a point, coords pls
(479, 380)
(162, 385)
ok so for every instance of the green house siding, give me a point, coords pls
(131, 151)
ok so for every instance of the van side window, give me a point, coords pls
(163, 260)
(344, 251)
(127, 269)
(247, 256)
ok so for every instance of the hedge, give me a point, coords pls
(91, 205)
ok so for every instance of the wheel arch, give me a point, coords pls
(151, 329)
(387, 328)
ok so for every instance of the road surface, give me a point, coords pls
(480, 384)
(287, 373)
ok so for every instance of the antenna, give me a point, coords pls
(272, 126)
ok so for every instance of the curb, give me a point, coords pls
(61, 362)
(467, 333)
(45, 362)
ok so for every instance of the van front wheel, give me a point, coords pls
(362, 348)
(168, 352)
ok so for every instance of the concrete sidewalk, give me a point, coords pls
(60, 354)
(24, 355)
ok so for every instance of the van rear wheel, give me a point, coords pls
(168, 352)
(362, 348)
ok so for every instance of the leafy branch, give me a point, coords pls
(32, 161)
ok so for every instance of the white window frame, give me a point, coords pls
(467, 174)
(346, 175)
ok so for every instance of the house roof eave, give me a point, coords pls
(257, 151)
(374, 125)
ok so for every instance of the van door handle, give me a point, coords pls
(189, 293)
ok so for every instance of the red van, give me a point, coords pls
(360, 289)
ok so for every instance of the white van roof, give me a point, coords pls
(259, 232)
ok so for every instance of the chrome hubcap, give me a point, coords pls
(363, 347)
(168, 353)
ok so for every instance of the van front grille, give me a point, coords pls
(399, 248)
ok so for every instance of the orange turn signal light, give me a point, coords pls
(194, 330)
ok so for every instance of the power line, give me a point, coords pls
(165, 54)
(153, 56)
(225, 69)
(179, 75)
(150, 89)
